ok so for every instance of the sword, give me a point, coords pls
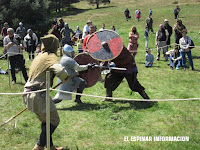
(110, 68)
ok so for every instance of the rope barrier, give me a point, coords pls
(125, 99)
(102, 97)
(23, 92)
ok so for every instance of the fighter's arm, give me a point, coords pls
(59, 71)
(79, 68)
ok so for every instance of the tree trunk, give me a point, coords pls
(97, 2)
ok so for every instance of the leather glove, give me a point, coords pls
(91, 65)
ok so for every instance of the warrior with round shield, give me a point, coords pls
(75, 83)
(108, 46)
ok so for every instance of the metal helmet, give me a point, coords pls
(67, 49)
(66, 25)
(20, 24)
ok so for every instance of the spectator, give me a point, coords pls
(4, 30)
(92, 29)
(61, 24)
(31, 42)
(185, 43)
(149, 23)
(86, 29)
(103, 27)
(66, 31)
(178, 28)
(80, 45)
(146, 36)
(138, 15)
(136, 12)
(55, 22)
(174, 58)
(55, 31)
(21, 31)
(161, 40)
(15, 54)
(78, 33)
(149, 59)
(4, 34)
(126, 13)
(150, 12)
(113, 28)
(176, 12)
(169, 29)
(133, 44)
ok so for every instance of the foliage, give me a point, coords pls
(97, 2)
(33, 14)
(58, 5)
(102, 126)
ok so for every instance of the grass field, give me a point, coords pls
(99, 126)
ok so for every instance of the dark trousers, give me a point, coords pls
(18, 61)
(31, 50)
(113, 80)
(43, 137)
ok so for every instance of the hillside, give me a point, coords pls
(103, 126)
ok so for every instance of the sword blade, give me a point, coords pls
(115, 68)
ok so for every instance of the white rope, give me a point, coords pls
(23, 92)
(102, 97)
(125, 99)
(3, 55)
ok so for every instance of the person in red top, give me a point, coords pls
(92, 29)
(56, 31)
(4, 30)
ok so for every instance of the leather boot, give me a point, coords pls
(80, 90)
(108, 94)
(145, 96)
(37, 147)
(54, 148)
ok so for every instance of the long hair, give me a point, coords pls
(133, 30)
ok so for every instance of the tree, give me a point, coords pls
(33, 14)
(97, 2)
(58, 5)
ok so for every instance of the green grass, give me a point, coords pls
(100, 126)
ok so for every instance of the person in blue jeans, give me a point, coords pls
(174, 58)
(185, 43)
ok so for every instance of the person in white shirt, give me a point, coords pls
(103, 27)
(86, 29)
(185, 43)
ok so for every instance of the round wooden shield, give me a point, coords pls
(91, 76)
(104, 45)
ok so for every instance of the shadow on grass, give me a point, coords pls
(195, 57)
(111, 104)
(70, 11)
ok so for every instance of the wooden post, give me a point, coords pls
(48, 109)
(8, 71)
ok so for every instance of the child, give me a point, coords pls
(149, 59)
(146, 36)
(79, 45)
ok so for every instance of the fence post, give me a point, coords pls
(48, 109)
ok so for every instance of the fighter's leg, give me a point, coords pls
(112, 81)
(80, 90)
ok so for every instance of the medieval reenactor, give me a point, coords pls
(115, 77)
(107, 45)
(45, 61)
(75, 83)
